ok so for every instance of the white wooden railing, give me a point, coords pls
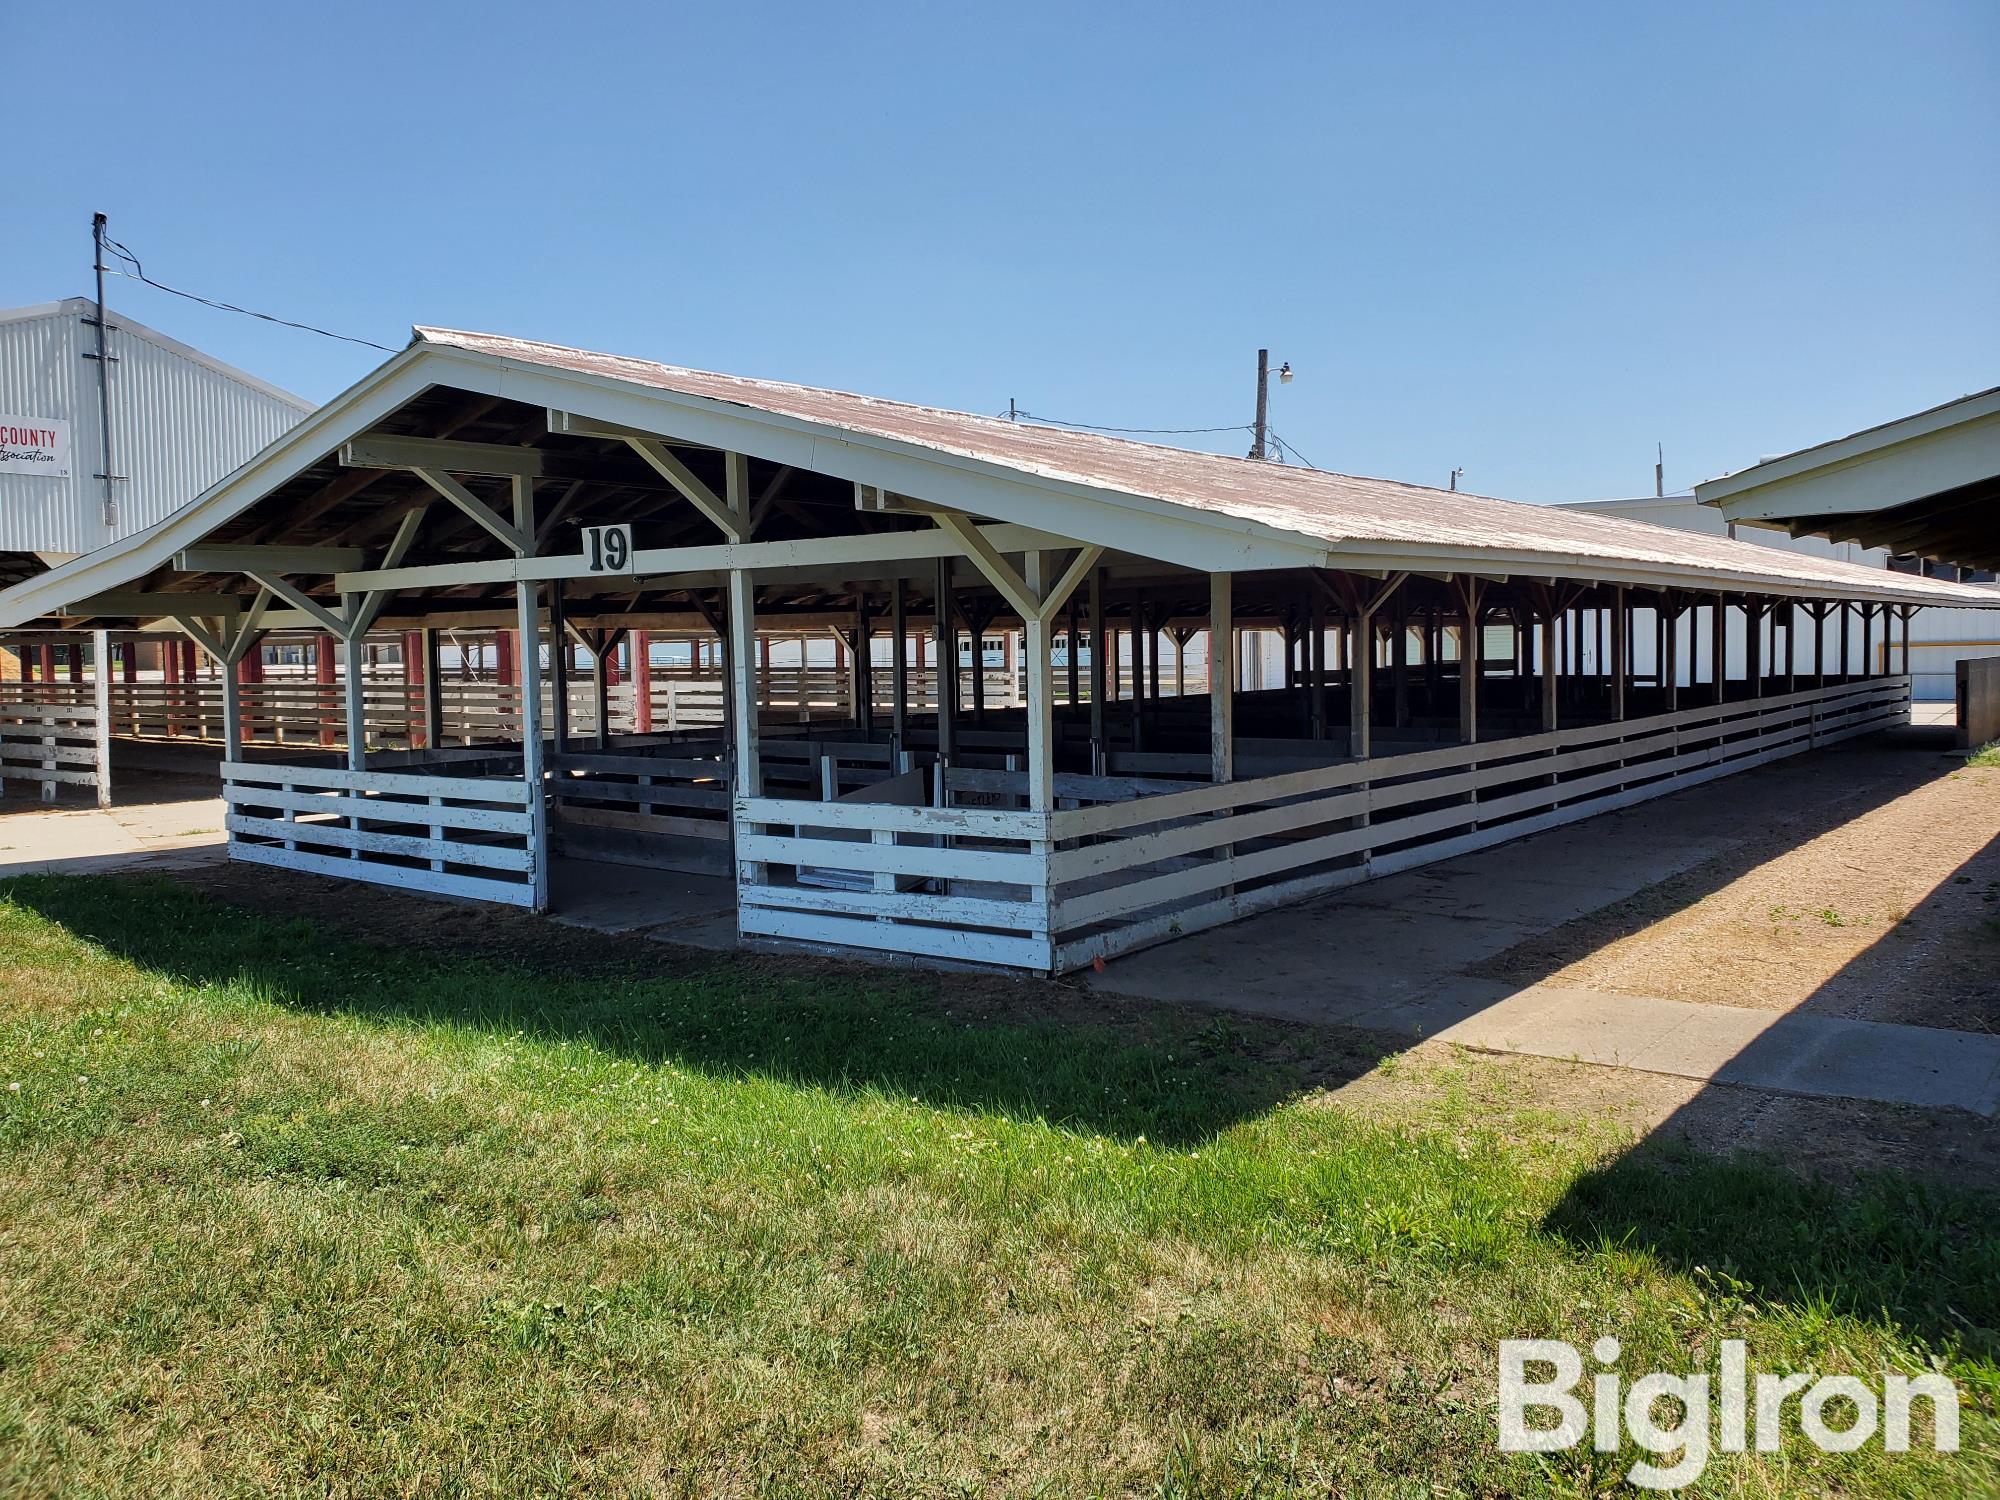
(953, 883)
(450, 835)
(49, 745)
(1121, 865)
(664, 805)
(1132, 874)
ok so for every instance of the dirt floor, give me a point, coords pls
(1891, 915)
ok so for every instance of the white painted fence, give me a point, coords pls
(50, 745)
(957, 883)
(1053, 892)
(663, 805)
(449, 835)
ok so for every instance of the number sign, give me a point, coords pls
(607, 549)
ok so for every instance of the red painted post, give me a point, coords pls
(75, 650)
(128, 660)
(323, 679)
(642, 682)
(413, 685)
(48, 655)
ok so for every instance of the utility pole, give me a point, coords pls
(1261, 429)
(1660, 473)
(1013, 412)
(103, 358)
(1454, 479)
(1261, 425)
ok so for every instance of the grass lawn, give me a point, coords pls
(285, 1213)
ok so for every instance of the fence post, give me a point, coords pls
(100, 651)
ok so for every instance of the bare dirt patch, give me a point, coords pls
(1891, 916)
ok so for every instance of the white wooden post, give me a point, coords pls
(1718, 647)
(433, 693)
(558, 667)
(232, 713)
(1101, 665)
(899, 664)
(748, 780)
(1549, 684)
(600, 687)
(1621, 651)
(100, 650)
(1041, 688)
(1361, 683)
(1471, 640)
(945, 674)
(357, 711)
(528, 670)
(1221, 676)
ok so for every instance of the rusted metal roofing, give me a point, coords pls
(1352, 515)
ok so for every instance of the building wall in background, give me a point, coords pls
(179, 422)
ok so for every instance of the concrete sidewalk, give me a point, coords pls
(1925, 1066)
(75, 839)
(1404, 956)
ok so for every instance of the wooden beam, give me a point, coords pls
(305, 604)
(270, 559)
(399, 547)
(992, 566)
(206, 634)
(575, 424)
(730, 521)
(251, 627)
(515, 539)
(831, 554)
(152, 606)
(416, 453)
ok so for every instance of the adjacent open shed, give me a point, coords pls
(1455, 671)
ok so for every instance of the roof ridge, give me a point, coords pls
(998, 424)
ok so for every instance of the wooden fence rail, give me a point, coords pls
(1123, 863)
(49, 745)
(449, 835)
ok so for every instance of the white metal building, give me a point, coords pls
(180, 420)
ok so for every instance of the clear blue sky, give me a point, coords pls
(1530, 239)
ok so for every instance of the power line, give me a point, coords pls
(1286, 447)
(138, 273)
(1099, 427)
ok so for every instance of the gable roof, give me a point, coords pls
(1196, 510)
(1351, 514)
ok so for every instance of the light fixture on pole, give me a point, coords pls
(1260, 430)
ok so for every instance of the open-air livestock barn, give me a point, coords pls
(1456, 670)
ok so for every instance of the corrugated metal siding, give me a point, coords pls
(177, 426)
(39, 371)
